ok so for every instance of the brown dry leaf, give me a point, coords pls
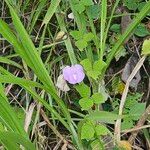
(125, 21)
(61, 35)
(28, 117)
(132, 61)
(148, 25)
(125, 145)
(62, 84)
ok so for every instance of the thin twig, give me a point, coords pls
(124, 95)
(136, 129)
(140, 123)
(52, 127)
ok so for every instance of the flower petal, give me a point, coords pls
(73, 74)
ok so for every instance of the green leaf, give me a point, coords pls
(146, 47)
(51, 10)
(86, 103)
(87, 131)
(96, 145)
(141, 31)
(132, 99)
(11, 141)
(141, 5)
(88, 37)
(8, 117)
(79, 8)
(115, 28)
(101, 130)
(87, 2)
(93, 74)
(87, 65)
(76, 34)
(121, 53)
(94, 11)
(137, 110)
(103, 116)
(10, 62)
(99, 66)
(98, 98)
(81, 44)
(127, 124)
(83, 90)
(96, 70)
(131, 5)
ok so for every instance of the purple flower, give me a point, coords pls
(73, 74)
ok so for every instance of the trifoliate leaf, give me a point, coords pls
(87, 131)
(83, 90)
(76, 34)
(81, 44)
(99, 65)
(137, 110)
(116, 28)
(79, 8)
(93, 74)
(131, 5)
(101, 130)
(94, 11)
(87, 2)
(127, 124)
(98, 98)
(87, 65)
(86, 103)
(141, 31)
(88, 36)
(96, 145)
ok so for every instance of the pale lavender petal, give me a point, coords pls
(66, 72)
(79, 67)
(81, 76)
(73, 74)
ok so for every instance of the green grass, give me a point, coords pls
(38, 57)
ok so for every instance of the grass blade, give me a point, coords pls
(103, 24)
(11, 141)
(8, 116)
(51, 10)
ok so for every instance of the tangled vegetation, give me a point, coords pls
(75, 74)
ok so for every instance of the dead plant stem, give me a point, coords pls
(123, 98)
